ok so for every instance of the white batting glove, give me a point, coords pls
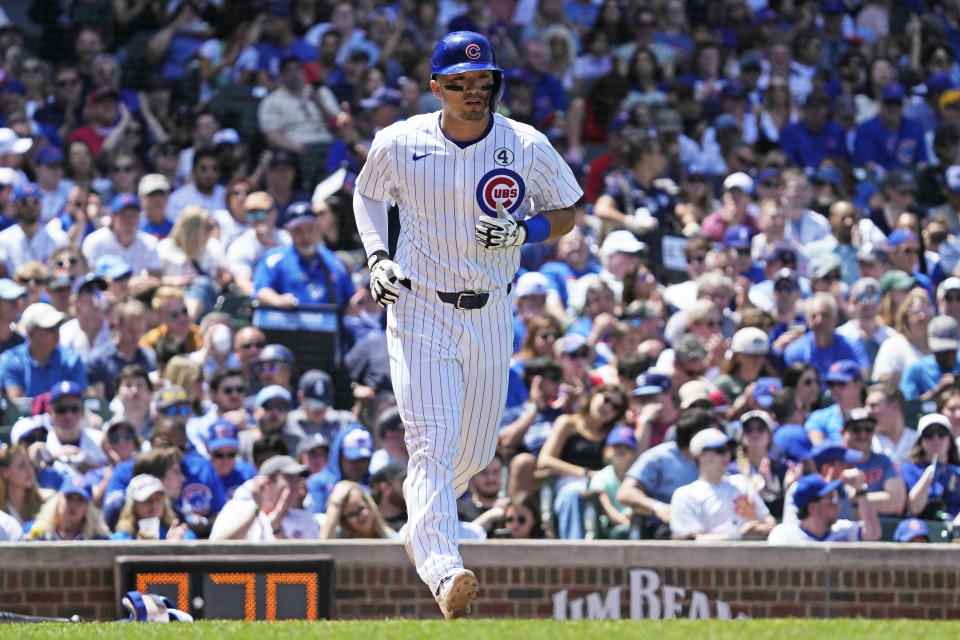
(500, 232)
(385, 276)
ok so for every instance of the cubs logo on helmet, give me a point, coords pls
(501, 186)
(473, 51)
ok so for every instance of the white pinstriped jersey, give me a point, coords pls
(441, 189)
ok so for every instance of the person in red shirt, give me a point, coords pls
(102, 114)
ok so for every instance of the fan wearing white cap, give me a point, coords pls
(147, 513)
(717, 506)
(932, 471)
(948, 295)
(935, 372)
(748, 364)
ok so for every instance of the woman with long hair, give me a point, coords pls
(352, 513)
(777, 109)
(752, 460)
(522, 516)
(542, 333)
(804, 379)
(909, 343)
(232, 221)
(147, 513)
(19, 494)
(867, 102)
(69, 515)
(931, 471)
(573, 452)
(192, 258)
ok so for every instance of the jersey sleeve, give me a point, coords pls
(376, 177)
(555, 186)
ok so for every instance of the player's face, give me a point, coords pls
(465, 95)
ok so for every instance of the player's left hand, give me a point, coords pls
(500, 232)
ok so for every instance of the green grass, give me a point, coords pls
(793, 629)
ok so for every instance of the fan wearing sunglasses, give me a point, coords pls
(171, 309)
(69, 441)
(864, 328)
(886, 491)
(935, 372)
(932, 470)
(223, 446)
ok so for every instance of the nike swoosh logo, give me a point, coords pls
(416, 157)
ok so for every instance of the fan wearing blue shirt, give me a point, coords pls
(39, 363)
(304, 272)
(822, 346)
(223, 446)
(934, 372)
(814, 137)
(846, 384)
(890, 140)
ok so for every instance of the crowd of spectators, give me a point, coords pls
(752, 331)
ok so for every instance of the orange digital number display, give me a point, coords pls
(308, 580)
(248, 580)
(181, 580)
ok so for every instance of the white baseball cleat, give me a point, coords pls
(456, 594)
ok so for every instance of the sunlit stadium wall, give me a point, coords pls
(545, 579)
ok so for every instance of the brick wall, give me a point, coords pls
(542, 579)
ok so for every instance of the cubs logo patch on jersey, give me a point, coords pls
(501, 186)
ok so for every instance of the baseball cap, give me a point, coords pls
(225, 136)
(950, 284)
(750, 341)
(949, 98)
(532, 283)
(297, 213)
(123, 201)
(282, 157)
(25, 426)
(943, 334)
(930, 420)
(357, 444)
(10, 290)
(829, 175)
(41, 315)
(222, 433)
(822, 264)
(858, 414)
(621, 241)
(48, 155)
(893, 91)
(811, 487)
(276, 353)
(112, 267)
(89, 282)
(828, 451)
(899, 236)
(272, 392)
(896, 279)
(952, 178)
(757, 414)
(117, 421)
(281, 464)
(910, 529)
(790, 442)
(866, 286)
(871, 252)
(737, 237)
(258, 200)
(103, 93)
(738, 180)
(693, 392)
(902, 180)
(568, 344)
(8, 176)
(768, 174)
(65, 388)
(10, 142)
(786, 274)
(668, 121)
(27, 190)
(143, 486)
(711, 438)
(939, 82)
(170, 396)
(751, 58)
(651, 383)
(833, 6)
(151, 183)
(843, 371)
(317, 388)
(725, 122)
(622, 434)
(382, 97)
(734, 89)
(764, 389)
(77, 486)
(312, 442)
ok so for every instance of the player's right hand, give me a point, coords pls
(385, 277)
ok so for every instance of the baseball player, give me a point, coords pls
(472, 186)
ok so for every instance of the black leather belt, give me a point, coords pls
(462, 300)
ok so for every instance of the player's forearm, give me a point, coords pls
(371, 218)
(561, 221)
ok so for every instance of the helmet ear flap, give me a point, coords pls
(497, 92)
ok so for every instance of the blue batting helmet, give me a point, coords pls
(462, 51)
